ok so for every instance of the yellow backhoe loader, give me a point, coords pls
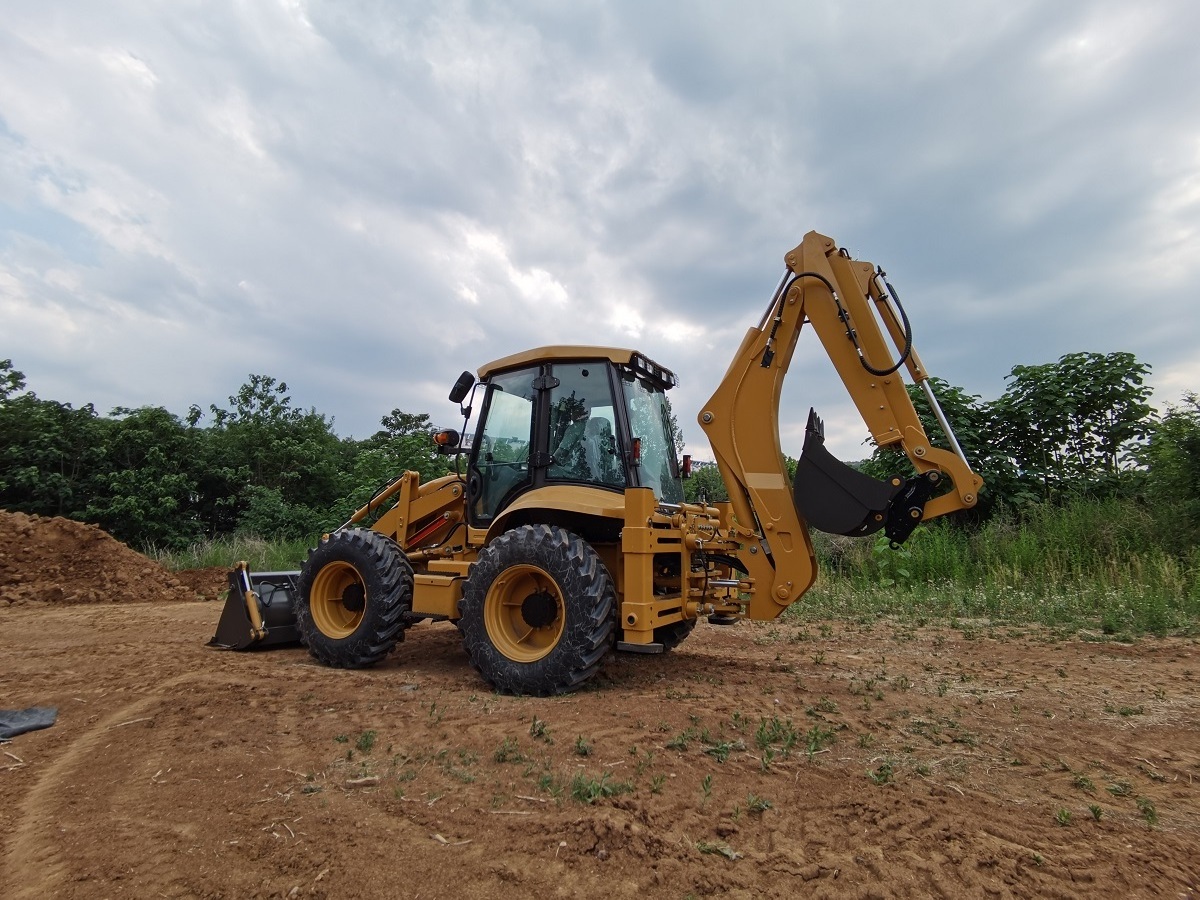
(565, 534)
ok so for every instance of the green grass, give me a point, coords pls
(1087, 565)
(262, 555)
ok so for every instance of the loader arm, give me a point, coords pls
(845, 301)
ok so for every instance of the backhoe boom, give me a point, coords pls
(844, 300)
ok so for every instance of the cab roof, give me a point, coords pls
(564, 353)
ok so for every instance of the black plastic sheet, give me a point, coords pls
(18, 721)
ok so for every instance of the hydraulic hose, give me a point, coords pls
(777, 303)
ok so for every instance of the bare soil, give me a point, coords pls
(826, 760)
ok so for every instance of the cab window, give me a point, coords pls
(583, 427)
(502, 456)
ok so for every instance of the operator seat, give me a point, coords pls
(600, 453)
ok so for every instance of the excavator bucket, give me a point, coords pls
(832, 496)
(258, 612)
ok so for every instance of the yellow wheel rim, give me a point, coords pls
(524, 613)
(338, 600)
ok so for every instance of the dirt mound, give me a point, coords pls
(59, 561)
(211, 583)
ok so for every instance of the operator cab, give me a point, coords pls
(589, 416)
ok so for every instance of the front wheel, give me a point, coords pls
(354, 591)
(537, 611)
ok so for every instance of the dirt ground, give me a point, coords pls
(824, 760)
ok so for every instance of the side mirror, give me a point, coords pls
(462, 387)
(686, 469)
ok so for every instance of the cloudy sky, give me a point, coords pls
(364, 198)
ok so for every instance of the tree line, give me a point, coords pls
(258, 465)
(1077, 428)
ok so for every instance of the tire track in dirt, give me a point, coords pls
(34, 867)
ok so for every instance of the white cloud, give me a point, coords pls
(363, 199)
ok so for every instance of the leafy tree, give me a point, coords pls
(145, 493)
(1172, 459)
(676, 430)
(405, 443)
(273, 468)
(1071, 427)
(705, 484)
(11, 380)
(48, 450)
(975, 427)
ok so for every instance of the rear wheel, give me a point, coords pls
(537, 611)
(354, 591)
(671, 636)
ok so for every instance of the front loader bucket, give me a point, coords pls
(258, 612)
(832, 496)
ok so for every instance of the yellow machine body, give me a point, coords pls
(532, 558)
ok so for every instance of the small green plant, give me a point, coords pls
(768, 757)
(365, 742)
(1146, 807)
(816, 738)
(582, 747)
(539, 730)
(1084, 783)
(643, 762)
(551, 785)
(721, 749)
(656, 783)
(757, 805)
(1121, 788)
(706, 787)
(775, 733)
(682, 740)
(718, 847)
(892, 562)
(1063, 816)
(508, 752)
(587, 789)
(866, 740)
(342, 738)
(882, 774)
(1096, 811)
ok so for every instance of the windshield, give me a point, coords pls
(650, 421)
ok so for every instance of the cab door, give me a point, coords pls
(500, 466)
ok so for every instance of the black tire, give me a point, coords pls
(537, 611)
(671, 636)
(354, 591)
